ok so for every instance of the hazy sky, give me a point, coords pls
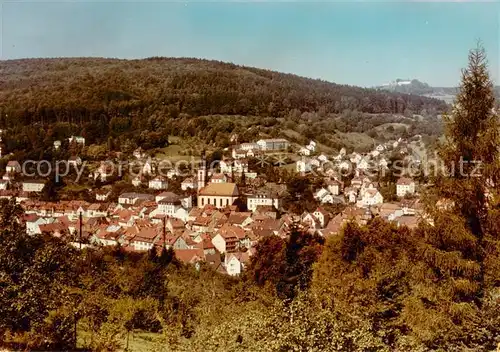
(358, 43)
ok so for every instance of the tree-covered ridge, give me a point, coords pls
(88, 88)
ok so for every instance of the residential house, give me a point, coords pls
(263, 197)
(405, 186)
(226, 166)
(240, 166)
(218, 178)
(322, 158)
(240, 219)
(4, 184)
(370, 197)
(158, 183)
(239, 153)
(145, 239)
(190, 256)
(77, 140)
(355, 158)
(226, 241)
(305, 151)
(33, 185)
(188, 183)
(133, 198)
(148, 167)
(344, 165)
(248, 146)
(102, 194)
(304, 166)
(138, 180)
(310, 220)
(322, 216)
(235, 263)
(333, 186)
(13, 167)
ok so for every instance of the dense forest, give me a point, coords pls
(122, 104)
(74, 90)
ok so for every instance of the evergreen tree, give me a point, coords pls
(458, 248)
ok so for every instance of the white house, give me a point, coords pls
(266, 198)
(147, 168)
(235, 263)
(248, 146)
(4, 184)
(370, 197)
(170, 204)
(303, 166)
(363, 164)
(13, 167)
(333, 186)
(132, 198)
(355, 158)
(324, 196)
(77, 140)
(323, 158)
(218, 178)
(102, 194)
(322, 216)
(137, 181)
(225, 242)
(239, 153)
(240, 166)
(33, 186)
(158, 183)
(344, 165)
(405, 186)
(351, 194)
(226, 166)
(188, 183)
(305, 151)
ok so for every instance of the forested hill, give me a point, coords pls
(83, 89)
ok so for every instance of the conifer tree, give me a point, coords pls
(470, 155)
(455, 249)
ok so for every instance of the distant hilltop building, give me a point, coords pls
(398, 82)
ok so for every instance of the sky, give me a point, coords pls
(358, 43)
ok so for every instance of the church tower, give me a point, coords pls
(202, 173)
